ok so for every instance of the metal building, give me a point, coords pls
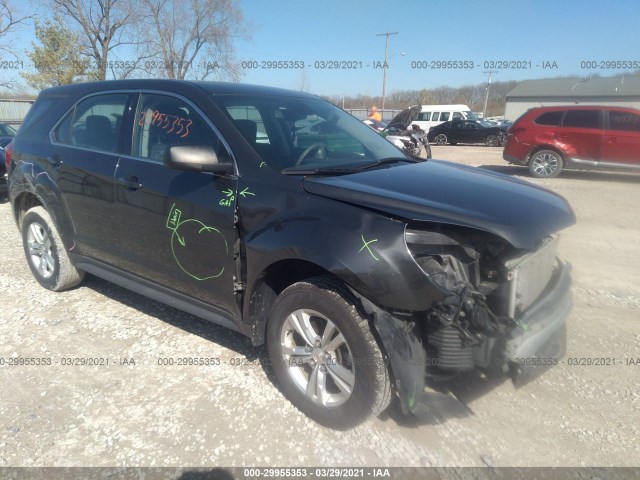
(614, 91)
(13, 111)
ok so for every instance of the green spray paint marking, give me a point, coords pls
(411, 401)
(227, 202)
(174, 223)
(366, 245)
(246, 192)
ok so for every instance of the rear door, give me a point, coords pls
(621, 142)
(87, 145)
(580, 135)
(174, 227)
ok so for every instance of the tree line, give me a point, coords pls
(471, 95)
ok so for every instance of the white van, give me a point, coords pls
(432, 115)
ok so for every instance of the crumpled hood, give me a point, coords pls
(456, 194)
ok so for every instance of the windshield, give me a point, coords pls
(297, 133)
(484, 123)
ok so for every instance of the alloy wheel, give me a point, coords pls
(318, 357)
(545, 164)
(40, 250)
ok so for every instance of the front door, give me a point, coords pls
(176, 228)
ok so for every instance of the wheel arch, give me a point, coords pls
(22, 203)
(270, 283)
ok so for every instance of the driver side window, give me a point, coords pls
(163, 121)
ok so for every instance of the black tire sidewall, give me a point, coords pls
(360, 404)
(51, 282)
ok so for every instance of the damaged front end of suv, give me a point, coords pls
(492, 294)
(500, 309)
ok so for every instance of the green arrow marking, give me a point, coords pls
(228, 192)
(246, 192)
(366, 245)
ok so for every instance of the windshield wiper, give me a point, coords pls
(318, 171)
(385, 161)
(346, 170)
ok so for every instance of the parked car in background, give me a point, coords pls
(433, 115)
(550, 139)
(7, 132)
(467, 131)
(365, 271)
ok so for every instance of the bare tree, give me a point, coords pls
(193, 38)
(9, 23)
(102, 25)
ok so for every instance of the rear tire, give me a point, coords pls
(492, 141)
(46, 255)
(324, 355)
(440, 139)
(546, 164)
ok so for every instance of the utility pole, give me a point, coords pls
(486, 97)
(384, 67)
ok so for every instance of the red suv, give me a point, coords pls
(549, 139)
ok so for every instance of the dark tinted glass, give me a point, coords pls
(550, 118)
(582, 119)
(624, 121)
(96, 122)
(61, 133)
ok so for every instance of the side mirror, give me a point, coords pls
(195, 158)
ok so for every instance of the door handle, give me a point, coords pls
(55, 161)
(131, 182)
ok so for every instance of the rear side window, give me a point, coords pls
(582, 119)
(96, 123)
(424, 116)
(444, 116)
(624, 121)
(457, 115)
(550, 118)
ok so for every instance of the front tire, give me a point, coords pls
(46, 255)
(546, 164)
(324, 355)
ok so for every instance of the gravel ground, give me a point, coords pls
(134, 412)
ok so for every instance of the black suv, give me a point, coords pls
(368, 273)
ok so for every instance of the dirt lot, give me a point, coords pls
(134, 412)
